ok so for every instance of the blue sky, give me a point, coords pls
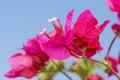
(23, 19)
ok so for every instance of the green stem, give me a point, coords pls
(103, 63)
(106, 66)
(61, 70)
(101, 56)
(110, 46)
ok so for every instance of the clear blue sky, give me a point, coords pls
(23, 19)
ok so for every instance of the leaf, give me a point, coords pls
(107, 70)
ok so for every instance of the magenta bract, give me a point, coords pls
(114, 5)
(116, 29)
(33, 47)
(21, 66)
(57, 46)
(86, 34)
(113, 62)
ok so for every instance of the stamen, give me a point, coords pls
(52, 19)
(43, 31)
(58, 28)
(53, 23)
(47, 35)
(59, 23)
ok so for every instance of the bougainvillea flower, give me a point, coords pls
(116, 28)
(114, 5)
(17, 60)
(113, 62)
(24, 66)
(23, 73)
(33, 47)
(56, 47)
(21, 66)
(86, 34)
(95, 77)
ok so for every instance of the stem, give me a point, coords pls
(76, 55)
(101, 56)
(94, 60)
(110, 46)
(106, 66)
(103, 63)
(113, 72)
(62, 70)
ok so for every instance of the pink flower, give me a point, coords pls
(21, 66)
(24, 66)
(86, 34)
(94, 77)
(57, 46)
(113, 62)
(114, 5)
(33, 47)
(116, 29)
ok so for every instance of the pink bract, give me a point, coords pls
(69, 21)
(57, 46)
(114, 5)
(21, 66)
(24, 65)
(116, 29)
(94, 77)
(24, 73)
(113, 62)
(33, 47)
(86, 34)
(20, 61)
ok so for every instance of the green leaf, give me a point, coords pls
(107, 70)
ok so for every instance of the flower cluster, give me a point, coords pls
(79, 39)
(31, 62)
